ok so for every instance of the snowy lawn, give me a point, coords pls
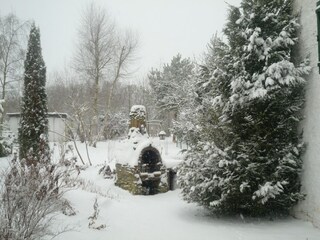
(166, 216)
(157, 217)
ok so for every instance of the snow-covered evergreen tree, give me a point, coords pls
(171, 83)
(209, 138)
(251, 93)
(197, 116)
(33, 129)
(172, 89)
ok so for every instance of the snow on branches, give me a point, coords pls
(250, 94)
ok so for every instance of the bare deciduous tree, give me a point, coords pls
(95, 50)
(12, 50)
(123, 56)
(104, 54)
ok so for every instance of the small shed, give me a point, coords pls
(154, 126)
(56, 121)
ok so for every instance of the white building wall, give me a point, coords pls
(310, 208)
(56, 127)
(13, 124)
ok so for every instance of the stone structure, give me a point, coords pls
(310, 208)
(147, 177)
(138, 117)
(144, 173)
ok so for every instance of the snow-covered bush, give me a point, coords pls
(250, 94)
(5, 147)
(7, 138)
(30, 197)
(116, 125)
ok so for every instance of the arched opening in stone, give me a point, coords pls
(150, 169)
(150, 161)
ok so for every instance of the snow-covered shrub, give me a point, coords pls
(250, 95)
(30, 197)
(5, 149)
(116, 125)
(7, 141)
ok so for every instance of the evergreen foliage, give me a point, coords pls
(173, 92)
(33, 129)
(250, 94)
(171, 84)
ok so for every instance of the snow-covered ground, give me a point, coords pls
(166, 216)
(157, 217)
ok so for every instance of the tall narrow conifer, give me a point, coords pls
(33, 129)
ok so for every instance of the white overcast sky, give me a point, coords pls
(165, 27)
